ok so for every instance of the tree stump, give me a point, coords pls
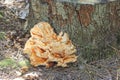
(94, 29)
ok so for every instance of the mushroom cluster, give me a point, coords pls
(45, 47)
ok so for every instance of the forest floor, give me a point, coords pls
(14, 65)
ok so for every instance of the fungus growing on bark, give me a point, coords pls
(45, 47)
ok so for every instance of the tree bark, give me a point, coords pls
(94, 29)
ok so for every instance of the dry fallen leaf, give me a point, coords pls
(45, 47)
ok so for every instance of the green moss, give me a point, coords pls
(7, 63)
(1, 15)
(2, 35)
(24, 63)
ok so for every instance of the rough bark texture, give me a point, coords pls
(92, 28)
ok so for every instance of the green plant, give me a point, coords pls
(2, 35)
(7, 63)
